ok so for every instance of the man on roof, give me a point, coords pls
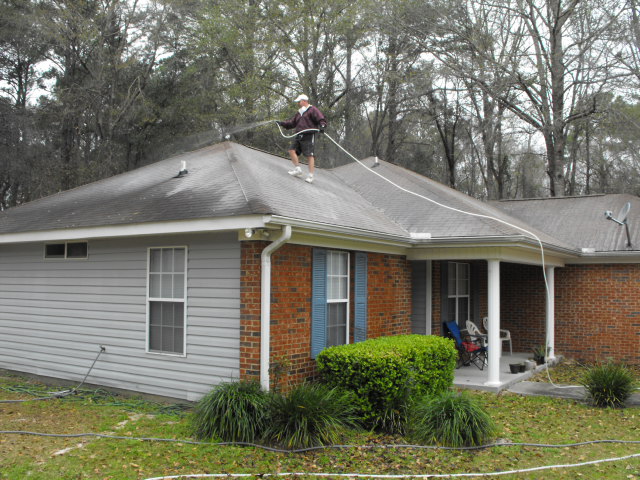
(307, 118)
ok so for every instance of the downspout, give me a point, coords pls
(265, 304)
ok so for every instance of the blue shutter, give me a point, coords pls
(319, 302)
(360, 330)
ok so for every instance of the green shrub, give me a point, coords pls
(450, 419)
(310, 415)
(608, 385)
(233, 412)
(386, 372)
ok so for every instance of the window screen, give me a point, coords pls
(167, 267)
(337, 297)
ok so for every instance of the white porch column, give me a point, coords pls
(493, 332)
(550, 313)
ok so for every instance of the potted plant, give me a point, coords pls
(516, 367)
(539, 354)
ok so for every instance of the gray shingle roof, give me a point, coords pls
(226, 179)
(422, 216)
(229, 179)
(580, 221)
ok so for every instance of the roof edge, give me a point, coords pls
(139, 229)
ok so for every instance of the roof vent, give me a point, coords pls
(183, 169)
(376, 162)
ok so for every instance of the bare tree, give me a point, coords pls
(557, 54)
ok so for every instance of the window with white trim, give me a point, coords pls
(459, 287)
(337, 297)
(166, 300)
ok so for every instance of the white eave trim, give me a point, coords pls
(337, 231)
(418, 246)
(139, 229)
(608, 257)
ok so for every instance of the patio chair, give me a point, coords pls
(505, 335)
(470, 348)
(474, 331)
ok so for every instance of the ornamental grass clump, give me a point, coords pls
(608, 385)
(232, 412)
(310, 415)
(450, 419)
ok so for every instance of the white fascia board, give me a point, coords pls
(322, 234)
(607, 257)
(505, 252)
(517, 249)
(139, 229)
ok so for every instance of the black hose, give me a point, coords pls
(322, 447)
(63, 393)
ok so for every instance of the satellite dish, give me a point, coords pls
(621, 220)
(624, 211)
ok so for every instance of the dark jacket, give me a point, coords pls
(311, 118)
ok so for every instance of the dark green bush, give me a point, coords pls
(450, 419)
(233, 412)
(310, 415)
(385, 373)
(608, 385)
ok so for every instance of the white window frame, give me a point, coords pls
(457, 295)
(346, 300)
(162, 299)
(66, 250)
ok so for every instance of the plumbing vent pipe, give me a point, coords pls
(183, 169)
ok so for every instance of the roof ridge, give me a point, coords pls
(564, 197)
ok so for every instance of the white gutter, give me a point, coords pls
(265, 304)
(201, 225)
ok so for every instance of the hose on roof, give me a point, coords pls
(478, 215)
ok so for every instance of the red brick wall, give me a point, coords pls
(523, 306)
(389, 308)
(598, 312)
(389, 298)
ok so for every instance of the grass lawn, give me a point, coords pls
(520, 419)
(571, 372)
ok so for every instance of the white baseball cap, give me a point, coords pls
(299, 98)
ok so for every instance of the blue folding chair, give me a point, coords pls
(470, 348)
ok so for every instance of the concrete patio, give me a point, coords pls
(473, 378)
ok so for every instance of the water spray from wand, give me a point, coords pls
(242, 128)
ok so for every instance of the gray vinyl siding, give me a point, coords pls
(419, 297)
(54, 315)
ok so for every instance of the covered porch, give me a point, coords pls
(473, 378)
(521, 302)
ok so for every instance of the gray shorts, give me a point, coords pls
(304, 143)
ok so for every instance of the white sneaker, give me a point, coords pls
(296, 172)
(309, 178)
